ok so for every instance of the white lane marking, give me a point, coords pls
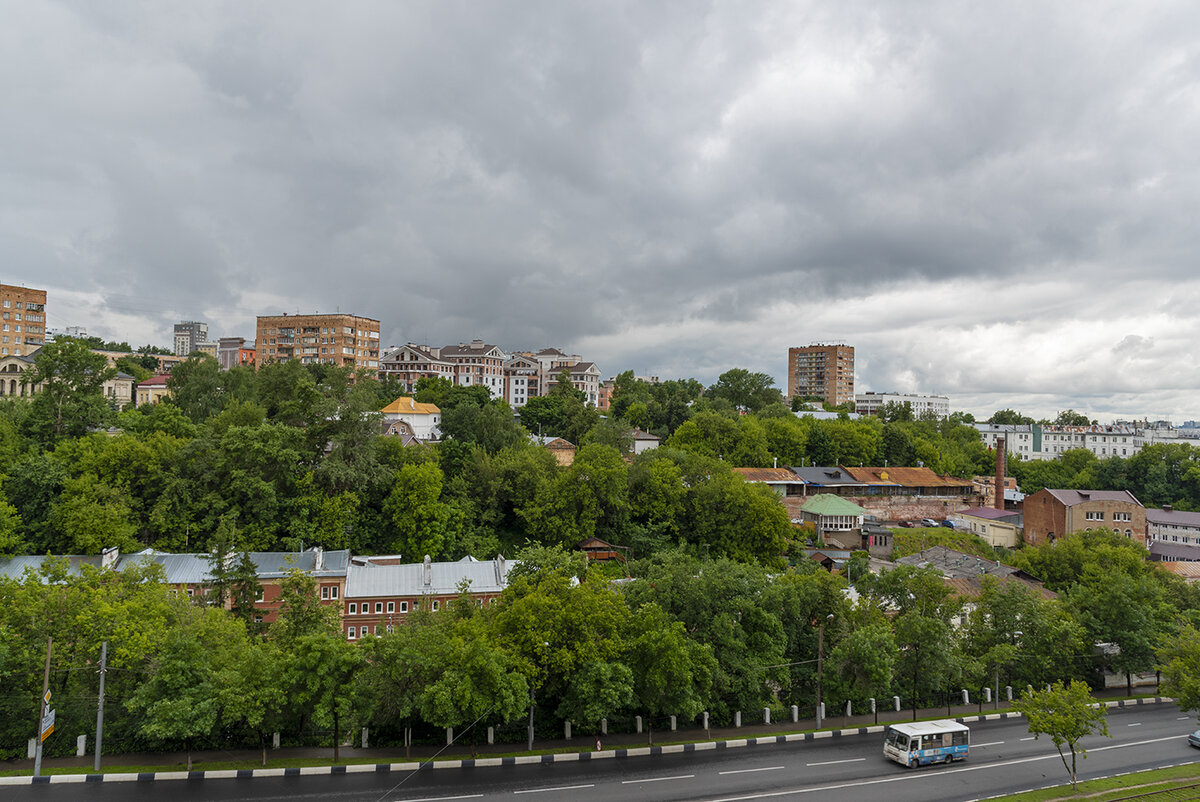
(443, 798)
(990, 743)
(747, 771)
(657, 779)
(1183, 718)
(927, 775)
(835, 762)
(1030, 738)
(1138, 724)
(559, 788)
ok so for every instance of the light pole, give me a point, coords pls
(820, 664)
(529, 747)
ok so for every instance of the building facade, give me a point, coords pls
(423, 419)
(822, 371)
(336, 339)
(871, 403)
(1051, 514)
(22, 320)
(233, 352)
(189, 334)
(477, 364)
(1040, 441)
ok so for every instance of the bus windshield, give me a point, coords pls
(897, 739)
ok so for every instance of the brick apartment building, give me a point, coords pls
(822, 371)
(22, 320)
(337, 339)
(1050, 514)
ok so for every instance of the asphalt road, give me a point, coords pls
(1004, 759)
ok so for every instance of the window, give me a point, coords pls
(1129, 533)
(391, 607)
(379, 607)
(333, 592)
(262, 595)
(1094, 516)
(352, 633)
(404, 607)
(324, 593)
(352, 609)
(435, 605)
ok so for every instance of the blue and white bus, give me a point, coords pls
(924, 742)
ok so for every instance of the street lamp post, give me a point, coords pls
(820, 665)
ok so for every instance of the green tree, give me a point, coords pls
(1068, 714)
(1009, 417)
(745, 390)
(590, 499)
(71, 398)
(1180, 661)
(740, 520)
(422, 522)
(1069, 417)
(473, 677)
(195, 387)
(319, 675)
(671, 672)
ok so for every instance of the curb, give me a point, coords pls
(523, 760)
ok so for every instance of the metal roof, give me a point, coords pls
(826, 504)
(369, 579)
(1070, 498)
(15, 567)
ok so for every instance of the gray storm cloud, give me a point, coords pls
(983, 201)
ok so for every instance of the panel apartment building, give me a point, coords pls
(335, 339)
(22, 320)
(822, 371)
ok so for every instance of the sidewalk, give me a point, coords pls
(462, 749)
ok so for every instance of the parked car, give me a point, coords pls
(929, 522)
(1194, 739)
(948, 524)
(906, 524)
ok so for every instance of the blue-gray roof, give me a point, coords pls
(370, 579)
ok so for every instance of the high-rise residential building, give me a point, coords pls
(334, 339)
(189, 334)
(22, 320)
(822, 371)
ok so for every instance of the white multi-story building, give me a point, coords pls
(871, 403)
(477, 364)
(1172, 535)
(1038, 441)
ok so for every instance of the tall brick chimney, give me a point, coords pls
(1000, 455)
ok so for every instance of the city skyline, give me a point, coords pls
(989, 204)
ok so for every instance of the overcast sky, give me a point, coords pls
(996, 202)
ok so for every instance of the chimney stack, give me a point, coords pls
(1000, 455)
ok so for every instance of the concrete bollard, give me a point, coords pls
(81, 746)
(766, 715)
(365, 740)
(966, 697)
(706, 721)
(491, 735)
(449, 736)
(1008, 690)
(275, 741)
(795, 713)
(822, 711)
(604, 726)
(737, 718)
(673, 724)
(987, 695)
(849, 709)
(31, 750)
(871, 704)
(1047, 689)
(1028, 690)
(637, 721)
(896, 703)
(567, 730)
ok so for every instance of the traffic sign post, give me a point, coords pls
(47, 726)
